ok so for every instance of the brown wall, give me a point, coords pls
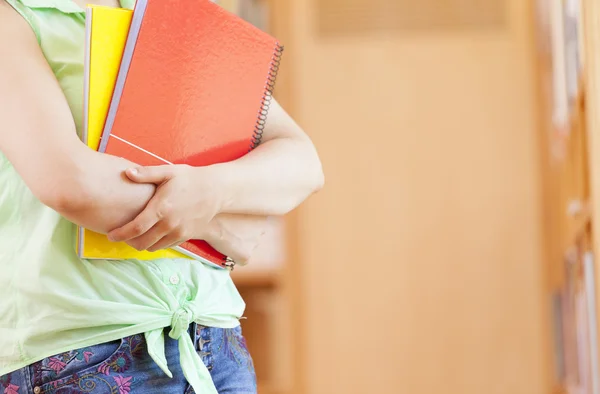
(420, 263)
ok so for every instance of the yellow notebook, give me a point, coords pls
(106, 33)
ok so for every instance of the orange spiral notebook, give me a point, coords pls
(194, 87)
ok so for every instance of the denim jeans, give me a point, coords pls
(124, 367)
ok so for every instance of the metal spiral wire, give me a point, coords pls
(261, 119)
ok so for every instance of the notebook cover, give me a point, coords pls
(194, 88)
(106, 33)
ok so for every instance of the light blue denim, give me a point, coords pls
(124, 367)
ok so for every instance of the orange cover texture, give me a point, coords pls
(195, 85)
(196, 92)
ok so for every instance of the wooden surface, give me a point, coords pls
(355, 17)
(566, 202)
(571, 156)
(420, 264)
(592, 33)
(566, 197)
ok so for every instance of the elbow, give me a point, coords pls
(313, 184)
(69, 204)
(62, 182)
(319, 179)
(69, 198)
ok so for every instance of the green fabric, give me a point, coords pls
(52, 301)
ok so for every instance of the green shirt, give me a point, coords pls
(52, 301)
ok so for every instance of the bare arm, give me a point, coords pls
(37, 135)
(91, 189)
(274, 178)
(236, 235)
(270, 181)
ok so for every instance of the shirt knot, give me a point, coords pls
(182, 318)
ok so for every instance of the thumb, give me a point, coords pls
(151, 174)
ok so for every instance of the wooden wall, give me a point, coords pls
(419, 268)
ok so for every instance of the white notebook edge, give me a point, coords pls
(134, 31)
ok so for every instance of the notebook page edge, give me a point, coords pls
(186, 252)
(134, 30)
(81, 251)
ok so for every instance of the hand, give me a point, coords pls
(182, 208)
(237, 236)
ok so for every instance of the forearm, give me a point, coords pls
(38, 136)
(236, 236)
(271, 180)
(102, 198)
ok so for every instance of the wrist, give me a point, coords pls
(215, 180)
(213, 232)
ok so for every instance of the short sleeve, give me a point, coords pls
(27, 14)
(129, 4)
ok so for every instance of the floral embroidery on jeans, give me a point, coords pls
(123, 383)
(125, 367)
(11, 389)
(235, 348)
(55, 371)
(120, 362)
(55, 364)
(51, 367)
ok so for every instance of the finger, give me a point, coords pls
(168, 241)
(150, 174)
(151, 237)
(174, 245)
(138, 226)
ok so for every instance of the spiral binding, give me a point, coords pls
(229, 263)
(267, 97)
(261, 120)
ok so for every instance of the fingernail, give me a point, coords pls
(133, 171)
(110, 238)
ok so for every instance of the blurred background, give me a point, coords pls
(452, 248)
